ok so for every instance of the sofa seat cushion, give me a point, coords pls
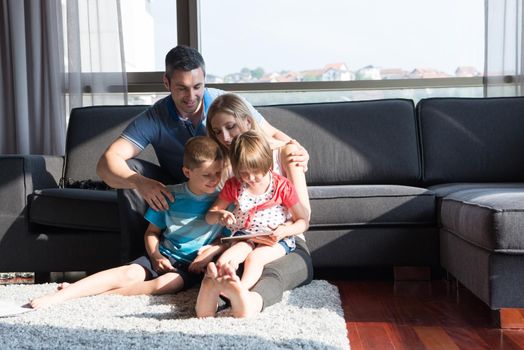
(442, 190)
(75, 208)
(491, 218)
(348, 205)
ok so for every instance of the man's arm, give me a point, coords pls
(113, 169)
(112, 166)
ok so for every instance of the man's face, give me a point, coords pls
(187, 89)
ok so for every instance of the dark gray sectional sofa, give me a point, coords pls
(391, 184)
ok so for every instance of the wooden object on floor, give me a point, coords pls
(509, 318)
(412, 273)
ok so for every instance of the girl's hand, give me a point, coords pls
(277, 234)
(226, 218)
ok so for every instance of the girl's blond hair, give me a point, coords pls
(250, 151)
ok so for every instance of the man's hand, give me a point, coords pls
(299, 155)
(153, 192)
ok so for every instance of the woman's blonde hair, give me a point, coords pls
(231, 104)
(250, 151)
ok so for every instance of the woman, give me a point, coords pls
(227, 117)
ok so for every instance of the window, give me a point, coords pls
(334, 40)
(330, 50)
(150, 31)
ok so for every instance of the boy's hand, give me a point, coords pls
(204, 256)
(199, 264)
(161, 264)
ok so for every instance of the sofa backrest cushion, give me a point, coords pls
(472, 139)
(89, 133)
(365, 142)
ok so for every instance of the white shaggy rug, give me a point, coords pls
(309, 317)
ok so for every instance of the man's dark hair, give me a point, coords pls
(183, 58)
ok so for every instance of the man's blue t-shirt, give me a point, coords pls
(162, 127)
(184, 224)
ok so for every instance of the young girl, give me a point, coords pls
(264, 202)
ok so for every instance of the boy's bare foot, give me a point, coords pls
(63, 285)
(207, 300)
(45, 301)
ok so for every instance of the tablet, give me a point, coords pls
(244, 237)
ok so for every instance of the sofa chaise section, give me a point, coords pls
(472, 152)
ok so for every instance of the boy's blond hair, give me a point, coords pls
(200, 149)
(250, 151)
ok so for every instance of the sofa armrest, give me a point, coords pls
(22, 174)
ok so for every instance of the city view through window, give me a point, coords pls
(293, 41)
(306, 40)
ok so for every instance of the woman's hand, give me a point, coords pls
(297, 154)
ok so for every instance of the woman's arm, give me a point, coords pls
(296, 176)
(300, 223)
(298, 155)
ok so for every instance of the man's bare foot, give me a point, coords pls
(207, 300)
(45, 301)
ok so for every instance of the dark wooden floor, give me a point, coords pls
(419, 315)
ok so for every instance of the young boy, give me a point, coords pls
(178, 241)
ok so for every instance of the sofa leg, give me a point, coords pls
(412, 273)
(509, 318)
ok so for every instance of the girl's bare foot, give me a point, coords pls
(45, 301)
(244, 303)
